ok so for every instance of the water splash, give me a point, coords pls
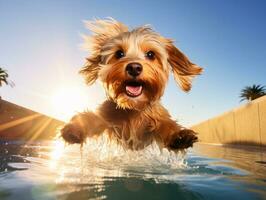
(102, 158)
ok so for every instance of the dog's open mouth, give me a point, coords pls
(134, 88)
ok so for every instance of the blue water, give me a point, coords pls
(102, 170)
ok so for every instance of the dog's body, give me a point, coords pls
(134, 67)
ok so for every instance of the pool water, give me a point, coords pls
(103, 170)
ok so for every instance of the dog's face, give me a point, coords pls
(134, 65)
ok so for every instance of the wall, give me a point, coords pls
(19, 123)
(243, 125)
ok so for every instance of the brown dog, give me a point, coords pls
(133, 66)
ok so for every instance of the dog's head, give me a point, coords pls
(134, 65)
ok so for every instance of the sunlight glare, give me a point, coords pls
(56, 153)
(68, 101)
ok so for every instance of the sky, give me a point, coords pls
(40, 47)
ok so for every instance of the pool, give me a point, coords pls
(102, 170)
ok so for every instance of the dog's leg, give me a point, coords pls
(82, 125)
(175, 137)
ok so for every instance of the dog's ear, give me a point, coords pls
(102, 31)
(184, 70)
(90, 69)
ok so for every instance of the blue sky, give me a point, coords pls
(40, 48)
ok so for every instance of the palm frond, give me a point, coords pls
(252, 92)
(3, 77)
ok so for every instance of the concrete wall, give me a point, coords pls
(243, 125)
(19, 123)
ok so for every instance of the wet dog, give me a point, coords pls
(133, 66)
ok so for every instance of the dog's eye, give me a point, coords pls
(150, 55)
(119, 54)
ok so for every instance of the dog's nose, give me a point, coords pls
(134, 69)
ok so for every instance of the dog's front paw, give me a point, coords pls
(72, 133)
(183, 140)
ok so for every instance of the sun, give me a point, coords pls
(68, 101)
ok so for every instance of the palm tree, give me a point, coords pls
(252, 92)
(3, 77)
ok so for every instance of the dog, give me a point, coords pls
(133, 67)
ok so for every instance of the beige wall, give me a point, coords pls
(243, 125)
(19, 123)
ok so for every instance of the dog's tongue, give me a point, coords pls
(134, 90)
